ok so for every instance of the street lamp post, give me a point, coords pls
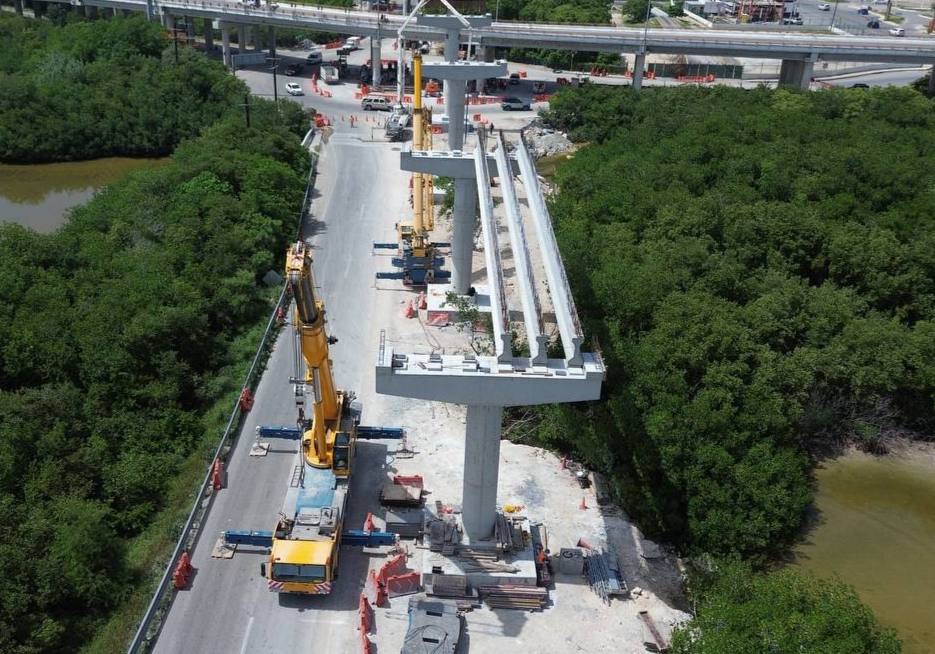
(834, 12)
(497, 16)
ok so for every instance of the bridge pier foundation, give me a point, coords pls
(639, 64)
(796, 74)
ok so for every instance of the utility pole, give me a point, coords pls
(889, 9)
(246, 108)
(176, 34)
(274, 66)
(834, 13)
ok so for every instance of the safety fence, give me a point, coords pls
(159, 605)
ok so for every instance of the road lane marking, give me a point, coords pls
(246, 636)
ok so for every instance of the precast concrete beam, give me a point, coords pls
(499, 312)
(481, 471)
(532, 315)
(563, 304)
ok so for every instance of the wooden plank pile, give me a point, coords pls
(532, 598)
(483, 561)
(509, 535)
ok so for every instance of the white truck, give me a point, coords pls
(329, 74)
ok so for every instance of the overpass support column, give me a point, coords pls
(376, 63)
(190, 27)
(639, 64)
(18, 7)
(168, 23)
(209, 34)
(464, 215)
(272, 40)
(481, 470)
(452, 42)
(90, 11)
(226, 44)
(796, 74)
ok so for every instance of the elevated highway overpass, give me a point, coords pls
(798, 50)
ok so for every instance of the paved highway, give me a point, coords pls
(359, 195)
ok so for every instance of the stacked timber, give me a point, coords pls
(443, 534)
(508, 533)
(530, 598)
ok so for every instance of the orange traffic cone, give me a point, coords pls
(422, 303)
(410, 312)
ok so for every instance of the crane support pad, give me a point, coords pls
(359, 538)
(278, 431)
(245, 537)
(379, 432)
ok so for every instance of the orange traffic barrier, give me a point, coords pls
(217, 475)
(363, 613)
(436, 129)
(183, 572)
(522, 74)
(404, 584)
(368, 523)
(246, 400)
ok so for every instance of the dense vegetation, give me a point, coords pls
(118, 334)
(102, 88)
(759, 268)
(551, 11)
(783, 612)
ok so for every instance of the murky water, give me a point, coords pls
(39, 196)
(877, 532)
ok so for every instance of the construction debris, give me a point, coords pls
(509, 534)
(653, 640)
(444, 534)
(434, 627)
(603, 575)
(484, 561)
(515, 597)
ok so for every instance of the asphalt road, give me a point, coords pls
(359, 195)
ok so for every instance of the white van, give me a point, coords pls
(352, 43)
(375, 103)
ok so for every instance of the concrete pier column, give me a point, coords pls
(639, 65)
(168, 22)
(463, 217)
(271, 40)
(190, 26)
(455, 107)
(481, 471)
(452, 41)
(226, 44)
(376, 65)
(257, 33)
(18, 7)
(90, 11)
(209, 35)
(795, 73)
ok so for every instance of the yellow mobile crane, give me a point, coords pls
(305, 545)
(304, 548)
(418, 260)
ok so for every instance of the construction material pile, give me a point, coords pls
(434, 627)
(484, 561)
(532, 598)
(509, 534)
(604, 576)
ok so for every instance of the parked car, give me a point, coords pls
(824, 6)
(792, 20)
(864, 11)
(294, 89)
(897, 31)
(375, 103)
(860, 85)
(511, 104)
(873, 24)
